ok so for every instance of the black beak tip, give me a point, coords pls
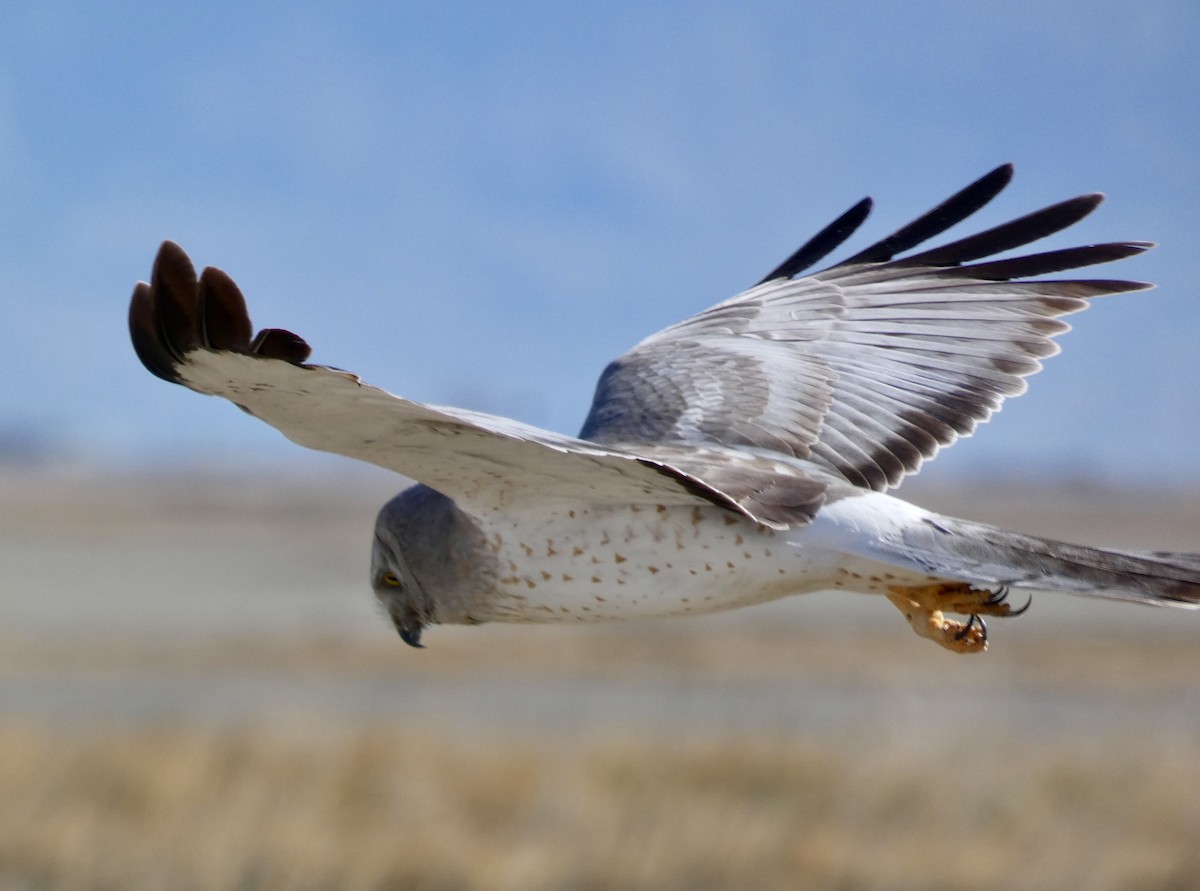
(412, 637)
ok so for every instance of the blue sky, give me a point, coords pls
(481, 204)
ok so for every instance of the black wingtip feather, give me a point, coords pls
(821, 244)
(223, 310)
(147, 337)
(178, 313)
(1050, 261)
(173, 283)
(276, 343)
(1013, 234)
(934, 222)
(953, 210)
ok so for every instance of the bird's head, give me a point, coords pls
(398, 590)
(427, 562)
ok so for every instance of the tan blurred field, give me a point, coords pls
(196, 693)
(382, 806)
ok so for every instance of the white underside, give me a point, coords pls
(600, 563)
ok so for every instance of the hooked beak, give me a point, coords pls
(409, 628)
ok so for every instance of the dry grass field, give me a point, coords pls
(195, 693)
(314, 806)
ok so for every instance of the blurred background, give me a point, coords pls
(480, 205)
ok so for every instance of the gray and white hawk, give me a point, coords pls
(737, 457)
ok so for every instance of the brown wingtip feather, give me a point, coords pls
(173, 283)
(276, 343)
(226, 322)
(178, 313)
(147, 338)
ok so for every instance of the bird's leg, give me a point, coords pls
(924, 607)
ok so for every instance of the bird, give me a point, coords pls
(740, 456)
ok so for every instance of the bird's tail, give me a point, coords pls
(988, 556)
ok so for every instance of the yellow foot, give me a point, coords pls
(924, 607)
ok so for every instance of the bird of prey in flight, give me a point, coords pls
(739, 456)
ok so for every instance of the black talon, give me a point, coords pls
(1022, 610)
(966, 629)
(1000, 595)
(971, 622)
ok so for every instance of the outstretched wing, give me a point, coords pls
(196, 332)
(870, 366)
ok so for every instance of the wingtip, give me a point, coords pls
(173, 270)
(171, 249)
(821, 244)
(278, 343)
(226, 321)
(1001, 175)
(938, 219)
(146, 335)
(1072, 210)
(178, 312)
(173, 286)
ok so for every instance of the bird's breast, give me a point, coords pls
(594, 563)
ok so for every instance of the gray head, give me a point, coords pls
(429, 562)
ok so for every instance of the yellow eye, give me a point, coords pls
(391, 580)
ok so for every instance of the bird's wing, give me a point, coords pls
(195, 331)
(870, 366)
